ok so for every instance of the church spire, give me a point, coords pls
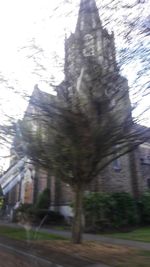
(88, 17)
(89, 42)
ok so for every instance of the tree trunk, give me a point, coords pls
(78, 221)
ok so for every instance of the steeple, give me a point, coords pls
(88, 17)
(89, 42)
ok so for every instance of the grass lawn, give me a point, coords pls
(141, 234)
(49, 245)
(23, 234)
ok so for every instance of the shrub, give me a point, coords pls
(108, 211)
(25, 212)
(37, 211)
(54, 217)
(125, 211)
(98, 209)
(144, 208)
(24, 207)
(42, 204)
(43, 201)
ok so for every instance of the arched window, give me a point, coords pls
(89, 49)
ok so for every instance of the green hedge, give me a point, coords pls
(144, 208)
(35, 213)
(125, 211)
(109, 211)
(102, 211)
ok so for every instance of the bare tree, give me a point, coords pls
(79, 132)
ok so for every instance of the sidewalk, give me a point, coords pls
(103, 239)
(92, 237)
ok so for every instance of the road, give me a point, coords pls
(13, 257)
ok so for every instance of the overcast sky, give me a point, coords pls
(33, 32)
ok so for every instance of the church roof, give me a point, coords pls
(12, 176)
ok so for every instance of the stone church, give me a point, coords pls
(130, 173)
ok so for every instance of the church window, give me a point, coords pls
(88, 38)
(99, 48)
(100, 59)
(117, 165)
(94, 22)
(145, 160)
(89, 49)
(81, 25)
(110, 53)
(116, 162)
(88, 52)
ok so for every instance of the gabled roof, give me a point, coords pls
(12, 176)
